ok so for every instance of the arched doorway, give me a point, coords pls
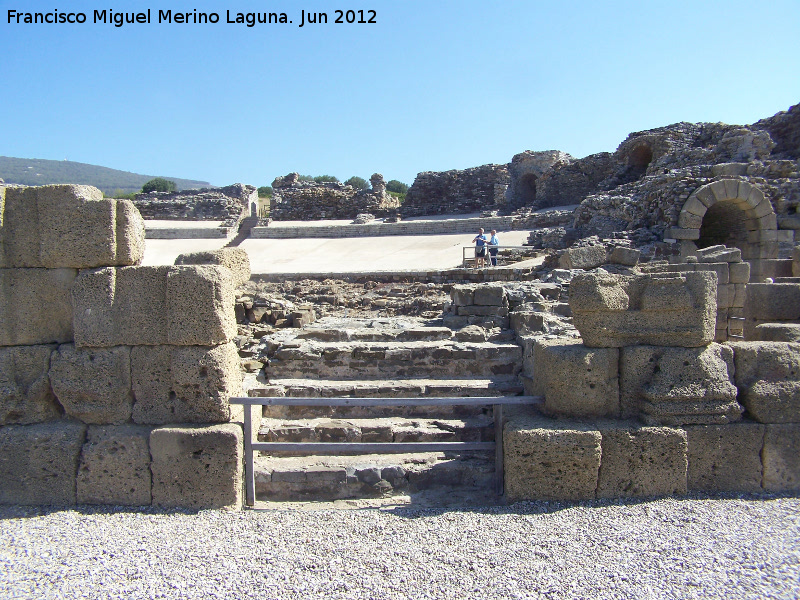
(527, 189)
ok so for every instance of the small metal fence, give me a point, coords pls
(468, 256)
(497, 403)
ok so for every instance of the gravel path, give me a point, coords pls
(670, 548)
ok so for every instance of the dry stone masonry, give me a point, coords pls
(451, 192)
(227, 204)
(117, 392)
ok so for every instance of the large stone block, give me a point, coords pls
(115, 466)
(35, 306)
(93, 384)
(236, 259)
(149, 306)
(586, 257)
(184, 384)
(577, 381)
(781, 457)
(660, 309)
(725, 458)
(463, 295)
(796, 261)
(688, 382)
(550, 460)
(776, 332)
(768, 378)
(490, 295)
(770, 302)
(25, 394)
(197, 467)
(200, 306)
(38, 463)
(71, 226)
(641, 461)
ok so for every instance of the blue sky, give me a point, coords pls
(431, 86)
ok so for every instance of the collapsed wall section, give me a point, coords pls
(457, 191)
(98, 355)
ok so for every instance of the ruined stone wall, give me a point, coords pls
(227, 204)
(646, 404)
(115, 377)
(295, 200)
(458, 191)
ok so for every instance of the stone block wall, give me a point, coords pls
(708, 417)
(477, 304)
(457, 191)
(114, 378)
(227, 204)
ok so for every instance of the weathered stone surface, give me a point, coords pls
(719, 254)
(624, 256)
(781, 457)
(25, 394)
(236, 259)
(93, 384)
(197, 467)
(550, 460)
(768, 377)
(68, 226)
(200, 306)
(584, 257)
(181, 305)
(641, 461)
(671, 382)
(38, 463)
(463, 295)
(796, 261)
(35, 306)
(226, 204)
(115, 466)
(490, 295)
(770, 302)
(725, 458)
(739, 272)
(184, 384)
(776, 332)
(662, 309)
(576, 381)
(456, 191)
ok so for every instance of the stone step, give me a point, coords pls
(384, 430)
(317, 478)
(367, 334)
(305, 359)
(388, 388)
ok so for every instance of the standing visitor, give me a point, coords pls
(494, 245)
(480, 249)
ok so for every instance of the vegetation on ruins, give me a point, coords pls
(264, 191)
(319, 178)
(357, 182)
(398, 187)
(35, 171)
(159, 184)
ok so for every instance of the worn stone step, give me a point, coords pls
(368, 334)
(372, 360)
(387, 388)
(373, 475)
(385, 430)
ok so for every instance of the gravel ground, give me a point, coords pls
(669, 548)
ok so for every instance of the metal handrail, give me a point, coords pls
(497, 403)
(464, 250)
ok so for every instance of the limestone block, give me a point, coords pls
(781, 457)
(770, 302)
(197, 467)
(764, 210)
(719, 190)
(585, 257)
(641, 461)
(577, 381)
(777, 332)
(687, 220)
(756, 197)
(760, 269)
(490, 295)
(35, 306)
(462, 295)
(697, 377)
(796, 261)
(719, 254)
(149, 306)
(705, 195)
(93, 384)
(550, 460)
(69, 226)
(624, 256)
(739, 295)
(720, 268)
(25, 394)
(200, 303)
(725, 458)
(236, 259)
(115, 466)
(184, 384)
(38, 462)
(661, 309)
(482, 311)
(731, 188)
(695, 207)
(768, 377)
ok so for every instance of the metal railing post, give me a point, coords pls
(498, 449)
(249, 466)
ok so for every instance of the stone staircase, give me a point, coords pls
(245, 227)
(365, 358)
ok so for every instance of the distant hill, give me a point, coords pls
(36, 171)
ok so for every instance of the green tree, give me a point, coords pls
(357, 182)
(398, 187)
(159, 184)
(325, 178)
(264, 191)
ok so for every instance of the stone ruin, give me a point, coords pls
(226, 204)
(466, 191)
(114, 378)
(296, 200)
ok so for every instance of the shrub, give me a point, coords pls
(159, 184)
(264, 191)
(397, 186)
(358, 182)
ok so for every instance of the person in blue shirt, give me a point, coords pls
(494, 244)
(480, 249)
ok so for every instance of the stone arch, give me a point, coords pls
(639, 159)
(730, 212)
